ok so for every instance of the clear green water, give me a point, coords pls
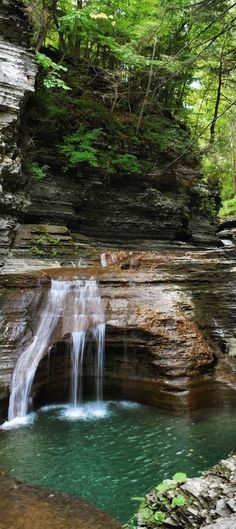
(120, 454)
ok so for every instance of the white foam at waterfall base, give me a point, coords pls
(96, 409)
(70, 307)
(18, 422)
(52, 407)
(90, 410)
(128, 404)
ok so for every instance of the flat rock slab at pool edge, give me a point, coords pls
(24, 507)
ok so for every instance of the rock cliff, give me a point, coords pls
(129, 208)
(161, 203)
(169, 326)
(17, 77)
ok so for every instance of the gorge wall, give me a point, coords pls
(17, 77)
(170, 324)
(170, 315)
(160, 203)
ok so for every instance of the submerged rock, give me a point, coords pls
(34, 508)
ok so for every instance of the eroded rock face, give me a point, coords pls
(169, 324)
(17, 77)
(161, 205)
(133, 208)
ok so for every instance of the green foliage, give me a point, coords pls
(145, 59)
(85, 146)
(159, 517)
(180, 477)
(37, 251)
(132, 523)
(229, 207)
(48, 239)
(126, 163)
(178, 501)
(166, 485)
(54, 252)
(46, 245)
(78, 147)
(154, 508)
(48, 64)
(53, 78)
(206, 200)
(38, 172)
(166, 135)
(149, 516)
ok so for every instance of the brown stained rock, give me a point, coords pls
(155, 349)
(48, 228)
(25, 507)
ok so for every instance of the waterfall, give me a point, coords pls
(71, 307)
(88, 320)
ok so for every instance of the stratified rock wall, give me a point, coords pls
(129, 208)
(160, 205)
(167, 327)
(17, 77)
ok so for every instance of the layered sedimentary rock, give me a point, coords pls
(227, 230)
(133, 208)
(17, 77)
(163, 204)
(170, 324)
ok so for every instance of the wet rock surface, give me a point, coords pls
(27, 507)
(170, 324)
(17, 78)
(227, 231)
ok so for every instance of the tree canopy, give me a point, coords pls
(148, 57)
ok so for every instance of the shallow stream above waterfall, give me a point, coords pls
(110, 453)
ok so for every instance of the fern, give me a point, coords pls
(78, 147)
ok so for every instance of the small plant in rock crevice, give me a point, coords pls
(38, 172)
(42, 245)
(160, 503)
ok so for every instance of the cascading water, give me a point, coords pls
(88, 318)
(71, 307)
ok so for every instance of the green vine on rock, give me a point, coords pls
(160, 503)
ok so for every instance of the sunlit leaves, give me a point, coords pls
(53, 78)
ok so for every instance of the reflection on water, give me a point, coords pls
(123, 452)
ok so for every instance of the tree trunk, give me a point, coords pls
(150, 75)
(217, 104)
